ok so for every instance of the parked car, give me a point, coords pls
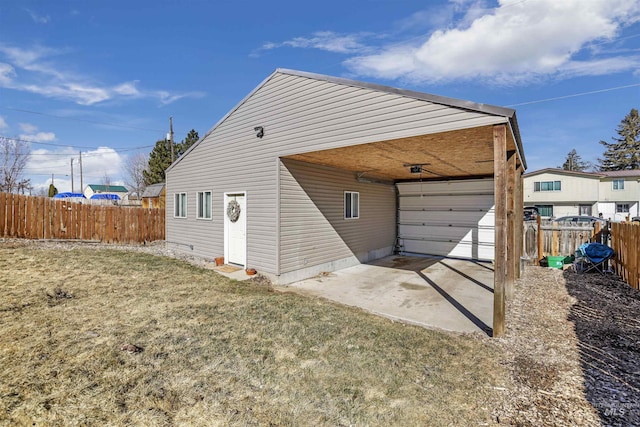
(530, 213)
(581, 218)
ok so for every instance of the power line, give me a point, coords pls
(574, 95)
(73, 146)
(96, 122)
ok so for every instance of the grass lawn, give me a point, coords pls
(216, 351)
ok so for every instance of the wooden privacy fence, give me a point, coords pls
(544, 238)
(625, 240)
(45, 218)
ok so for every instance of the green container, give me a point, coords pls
(556, 261)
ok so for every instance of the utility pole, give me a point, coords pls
(72, 175)
(80, 161)
(171, 139)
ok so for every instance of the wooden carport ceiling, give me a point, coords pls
(453, 154)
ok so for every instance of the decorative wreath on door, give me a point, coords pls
(233, 210)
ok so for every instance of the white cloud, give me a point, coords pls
(128, 88)
(7, 74)
(39, 137)
(38, 19)
(516, 42)
(96, 164)
(3, 123)
(42, 75)
(27, 127)
(32, 135)
(324, 40)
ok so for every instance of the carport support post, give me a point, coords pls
(500, 199)
(519, 220)
(511, 224)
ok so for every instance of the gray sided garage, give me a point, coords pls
(325, 173)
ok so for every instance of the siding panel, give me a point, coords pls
(312, 225)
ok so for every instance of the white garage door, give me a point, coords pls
(448, 218)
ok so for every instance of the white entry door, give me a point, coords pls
(236, 228)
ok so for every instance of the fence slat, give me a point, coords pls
(625, 239)
(46, 218)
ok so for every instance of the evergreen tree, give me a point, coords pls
(52, 190)
(160, 157)
(574, 162)
(184, 145)
(159, 161)
(624, 152)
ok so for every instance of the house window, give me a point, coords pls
(180, 205)
(204, 205)
(618, 184)
(622, 207)
(545, 210)
(351, 205)
(547, 186)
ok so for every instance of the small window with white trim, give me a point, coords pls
(180, 205)
(351, 205)
(204, 205)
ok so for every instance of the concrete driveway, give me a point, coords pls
(450, 294)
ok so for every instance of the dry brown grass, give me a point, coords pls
(215, 351)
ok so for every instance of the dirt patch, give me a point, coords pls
(572, 351)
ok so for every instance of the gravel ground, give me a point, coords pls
(573, 350)
(572, 345)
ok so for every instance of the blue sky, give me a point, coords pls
(103, 77)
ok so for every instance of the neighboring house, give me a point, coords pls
(92, 189)
(557, 193)
(312, 173)
(154, 196)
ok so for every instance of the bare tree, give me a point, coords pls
(106, 181)
(134, 169)
(14, 155)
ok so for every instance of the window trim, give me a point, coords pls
(351, 195)
(542, 210)
(537, 186)
(177, 205)
(198, 207)
(617, 181)
(628, 205)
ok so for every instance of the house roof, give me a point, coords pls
(508, 113)
(153, 190)
(623, 173)
(601, 174)
(565, 172)
(108, 188)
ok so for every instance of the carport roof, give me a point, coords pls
(446, 155)
(457, 153)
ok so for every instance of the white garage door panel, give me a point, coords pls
(438, 202)
(446, 218)
(454, 218)
(459, 250)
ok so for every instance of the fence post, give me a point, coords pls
(540, 240)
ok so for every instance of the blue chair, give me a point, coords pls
(593, 257)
